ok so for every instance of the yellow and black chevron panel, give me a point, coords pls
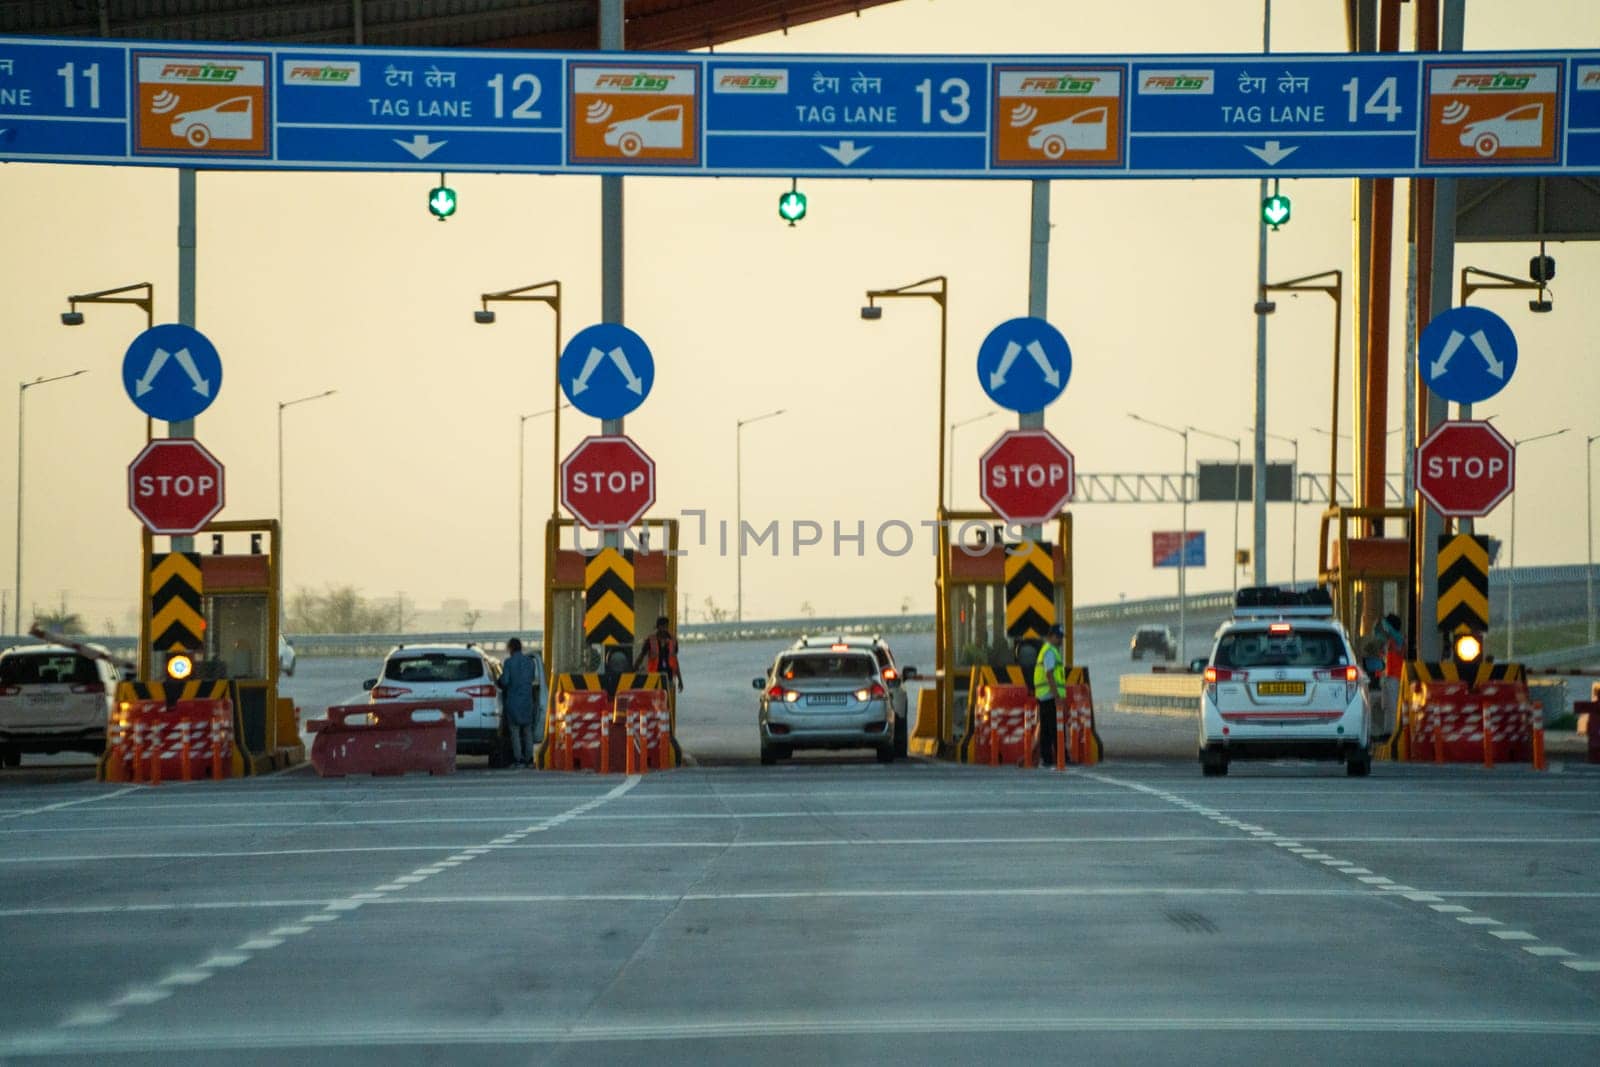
(1450, 671)
(176, 619)
(1464, 584)
(1030, 590)
(209, 689)
(608, 597)
(608, 683)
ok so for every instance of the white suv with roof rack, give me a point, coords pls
(1283, 681)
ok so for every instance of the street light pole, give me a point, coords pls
(950, 482)
(738, 507)
(1511, 576)
(22, 392)
(141, 295)
(1588, 491)
(522, 425)
(1238, 461)
(936, 289)
(1183, 545)
(1294, 507)
(278, 548)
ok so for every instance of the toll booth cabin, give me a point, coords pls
(600, 604)
(978, 623)
(222, 608)
(1364, 556)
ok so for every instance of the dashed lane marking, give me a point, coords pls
(1383, 885)
(101, 1015)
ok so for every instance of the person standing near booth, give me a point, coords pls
(1049, 689)
(519, 699)
(659, 655)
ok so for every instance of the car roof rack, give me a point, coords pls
(1273, 602)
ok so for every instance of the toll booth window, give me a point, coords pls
(437, 667)
(1246, 649)
(47, 669)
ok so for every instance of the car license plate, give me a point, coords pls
(1281, 689)
(827, 698)
(46, 699)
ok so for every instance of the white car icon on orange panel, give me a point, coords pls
(1521, 127)
(231, 120)
(1084, 132)
(661, 128)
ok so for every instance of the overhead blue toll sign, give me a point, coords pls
(172, 372)
(1035, 116)
(1278, 113)
(1467, 354)
(449, 111)
(1024, 364)
(845, 115)
(606, 370)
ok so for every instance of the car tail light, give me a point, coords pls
(478, 691)
(840, 648)
(1213, 675)
(778, 692)
(90, 687)
(872, 692)
(1350, 676)
(9, 690)
(388, 692)
(890, 674)
(1280, 628)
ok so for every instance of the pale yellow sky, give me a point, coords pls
(405, 480)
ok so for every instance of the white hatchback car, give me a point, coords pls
(1283, 682)
(427, 672)
(54, 698)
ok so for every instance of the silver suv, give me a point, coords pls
(893, 675)
(54, 698)
(427, 672)
(831, 696)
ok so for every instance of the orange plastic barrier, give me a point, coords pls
(582, 731)
(388, 738)
(647, 729)
(149, 742)
(1005, 725)
(1079, 727)
(1495, 723)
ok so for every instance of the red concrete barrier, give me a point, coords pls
(389, 738)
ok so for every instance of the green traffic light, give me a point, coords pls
(442, 202)
(1275, 210)
(792, 206)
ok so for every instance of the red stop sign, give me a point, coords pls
(608, 482)
(1027, 477)
(175, 486)
(1465, 468)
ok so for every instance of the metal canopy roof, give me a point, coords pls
(652, 25)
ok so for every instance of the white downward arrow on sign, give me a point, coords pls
(620, 358)
(143, 386)
(186, 361)
(420, 146)
(997, 377)
(581, 382)
(1481, 343)
(846, 152)
(1272, 153)
(1036, 350)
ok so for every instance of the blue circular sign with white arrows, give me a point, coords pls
(1467, 354)
(172, 372)
(606, 370)
(1024, 364)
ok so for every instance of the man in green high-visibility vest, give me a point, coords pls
(1049, 686)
